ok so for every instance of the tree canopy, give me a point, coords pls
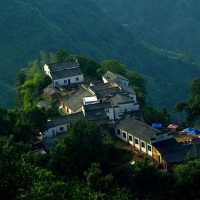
(191, 106)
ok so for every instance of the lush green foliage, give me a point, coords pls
(29, 85)
(92, 33)
(191, 105)
(165, 24)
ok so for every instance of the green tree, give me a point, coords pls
(29, 85)
(138, 84)
(191, 106)
(61, 55)
(74, 153)
(113, 66)
(106, 185)
(186, 178)
(88, 66)
(147, 179)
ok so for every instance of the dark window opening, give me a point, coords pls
(124, 134)
(143, 144)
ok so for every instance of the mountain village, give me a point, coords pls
(112, 104)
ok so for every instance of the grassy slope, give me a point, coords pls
(81, 27)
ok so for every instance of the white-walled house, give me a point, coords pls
(122, 104)
(64, 73)
(97, 108)
(139, 134)
(60, 124)
(110, 77)
(73, 102)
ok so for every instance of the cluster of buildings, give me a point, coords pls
(110, 103)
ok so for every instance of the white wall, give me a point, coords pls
(133, 143)
(110, 113)
(72, 80)
(104, 80)
(162, 137)
(57, 130)
(133, 96)
(48, 133)
(121, 109)
(122, 81)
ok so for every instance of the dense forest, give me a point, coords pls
(82, 27)
(171, 25)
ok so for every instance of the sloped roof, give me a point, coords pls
(137, 128)
(51, 90)
(44, 104)
(63, 65)
(101, 86)
(74, 101)
(111, 77)
(65, 73)
(95, 106)
(116, 99)
(174, 152)
(56, 121)
(98, 116)
(107, 92)
(126, 88)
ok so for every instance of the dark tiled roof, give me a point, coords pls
(98, 116)
(126, 88)
(111, 77)
(44, 104)
(96, 106)
(137, 128)
(64, 119)
(63, 65)
(74, 101)
(50, 90)
(174, 152)
(106, 92)
(65, 73)
(119, 98)
(102, 86)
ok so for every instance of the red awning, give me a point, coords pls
(173, 126)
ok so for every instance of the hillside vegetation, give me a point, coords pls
(172, 25)
(82, 27)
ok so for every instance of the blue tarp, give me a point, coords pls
(192, 130)
(156, 125)
(188, 129)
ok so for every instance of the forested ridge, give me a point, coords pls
(82, 27)
(171, 25)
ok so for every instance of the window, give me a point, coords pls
(56, 82)
(136, 141)
(61, 128)
(124, 134)
(143, 144)
(118, 131)
(130, 138)
(65, 81)
(149, 148)
(77, 78)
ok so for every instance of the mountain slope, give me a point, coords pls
(172, 25)
(81, 27)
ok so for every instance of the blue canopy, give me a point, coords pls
(192, 130)
(195, 131)
(156, 125)
(188, 129)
